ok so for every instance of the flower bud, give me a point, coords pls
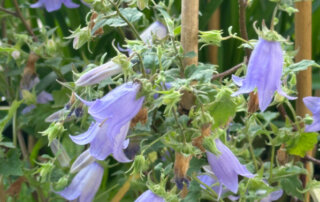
(54, 130)
(210, 145)
(63, 182)
(45, 169)
(142, 4)
(29, 97)
(308, 119)
(51, 47)
(213, 37)
(139, 164)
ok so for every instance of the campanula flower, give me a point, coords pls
(99, 73)
(53, 5)
(156, 29)
(84, 185)
(149, 196)
(313, 104)
(211, 181)
(226, 167)
(112, 114)
(264, 73)
(83, 160)
(94, 76)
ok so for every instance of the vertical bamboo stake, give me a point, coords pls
(189, 29)
(214, 24)
(304, 79)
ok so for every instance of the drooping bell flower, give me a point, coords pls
(156, 29)
(112, 114)
(210, 181)
(99, 73)
(149, 196)
(94, 76)
(226, 167)
(84, 185)
(264, 73)
(53, 5)
(313, 104)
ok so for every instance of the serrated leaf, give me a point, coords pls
(300, 66)
(11, 164)
(291, 186)
(60, 97)
(202, 72)
(222, 108)
(304, 143)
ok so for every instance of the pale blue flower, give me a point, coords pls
(149, 196)
(113, 114)
(264, 73)
(84, 185)
(226, 167)
(313, 104)
(53, 5)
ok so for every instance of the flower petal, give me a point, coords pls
(157, 29)
(226, 167)
(119, 140)
(70, 4)
(86, 180)
(149, 196)
(89, 135)
(82, 161)
(52, 5)
(313, 104)
(39, 4)
(237, 80)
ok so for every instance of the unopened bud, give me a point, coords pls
(54, 130)
(142, 4)
(51, 47)
(213, 37)
(308, 119)
(45, 169)
(63, 182)
(139, 164)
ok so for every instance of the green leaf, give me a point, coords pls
(292, 185)
(11, 165)
(305, 142)
(60, 97)
(132, 14)
(13, 109)
(300, 66)
(222, 108)
(202, 72)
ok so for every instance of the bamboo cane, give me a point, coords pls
(214, 24)
(189, 30)
(304, 79)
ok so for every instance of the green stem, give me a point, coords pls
(252, 154)
(142, 66)
(180, 127)
(208, 188)
(179, 58)
(126, 20)
(273, 17)
(271, 161)
(149, 145)
(14, 129)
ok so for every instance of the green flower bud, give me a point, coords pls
(213, 37)
(51, 47)
(45, 169)
(142, 4)
(29, 97)
(209, 144)
(139, 164)
(63, 182)
(308, 119)
(54, 130)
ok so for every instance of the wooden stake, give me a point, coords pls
(304, 79)
(189, 29)
(214, 24)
